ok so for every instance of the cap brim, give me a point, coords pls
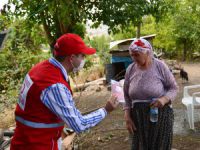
(89, 51)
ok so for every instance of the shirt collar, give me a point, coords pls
(60, 66)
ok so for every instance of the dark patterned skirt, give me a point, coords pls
(152, 136)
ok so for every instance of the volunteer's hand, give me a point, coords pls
(160, 102)
(130, 126)
(111, 104)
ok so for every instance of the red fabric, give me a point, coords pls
(140, 43)
(43, 75)
(69, 44)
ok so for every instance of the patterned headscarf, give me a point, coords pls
(141, 45)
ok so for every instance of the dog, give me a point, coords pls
(184, 74)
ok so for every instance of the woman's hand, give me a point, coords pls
(160, 102)
(129, 122)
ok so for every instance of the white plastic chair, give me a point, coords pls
(191, 101)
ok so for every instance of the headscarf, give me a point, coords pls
(141, 45)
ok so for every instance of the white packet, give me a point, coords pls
(117, 89)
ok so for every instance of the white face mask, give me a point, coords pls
(76, 69)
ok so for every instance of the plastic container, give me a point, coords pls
(154, 114)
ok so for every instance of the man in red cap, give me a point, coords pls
(45, 100)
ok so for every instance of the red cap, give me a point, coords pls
(69, 44)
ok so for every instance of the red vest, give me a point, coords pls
(31, 108)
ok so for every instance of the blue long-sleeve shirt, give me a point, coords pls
(59, 100)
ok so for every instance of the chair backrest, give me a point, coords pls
(196, 100)
(186, 88)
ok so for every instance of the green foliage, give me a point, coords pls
(61, 16)
(23, 35)
(101, 44)
(119, 15)
(178, 33)
(147, 28)
(79, 29)
(57, 17)
(187, 27)
(126, 33)
(20, 53)
(13, 67)
(5, 17)
(4, 22)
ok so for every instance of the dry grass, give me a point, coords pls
(7, 118)
(87, 75)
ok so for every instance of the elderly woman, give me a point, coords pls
(148, 84)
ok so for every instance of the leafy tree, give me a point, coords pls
(119, 15)
(148, 26)
(178, 33)
(61, 16)
(186, 24)
(129, 32)
(164, 40)
(24, 36)
(5, 17)
(101, 44)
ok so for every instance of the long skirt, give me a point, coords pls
(152, 135)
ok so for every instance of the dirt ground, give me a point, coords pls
(111, 134)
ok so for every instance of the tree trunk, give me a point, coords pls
(138, 31)
(46, 27)
(184, 51)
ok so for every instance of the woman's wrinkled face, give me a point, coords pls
(139, 57)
